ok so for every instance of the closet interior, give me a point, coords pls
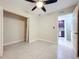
(14, 28)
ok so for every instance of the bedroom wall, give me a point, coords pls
(13, 29)
(35, 23)
(33, 29)
(48, 28)
(47, 22)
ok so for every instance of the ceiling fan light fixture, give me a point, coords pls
(39, 4)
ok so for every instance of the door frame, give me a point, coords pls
(1, 31)
(78, 34)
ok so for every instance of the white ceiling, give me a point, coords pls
(27, 6)
(60, 4)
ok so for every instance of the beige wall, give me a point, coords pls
(47, 31)
(33, 29)
(74, 36)
(13, 29)
(41, 27)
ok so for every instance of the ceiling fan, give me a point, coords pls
(41, 3)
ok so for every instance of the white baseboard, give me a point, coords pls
(33, 40)
(49, 41)
(13, 42)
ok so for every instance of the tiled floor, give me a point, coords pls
(65, 53)
(65, 42)
(37, 50)
(65, 49)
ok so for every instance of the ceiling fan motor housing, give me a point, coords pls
(41, 3)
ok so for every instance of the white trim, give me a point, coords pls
(14, 42)
(27, 31)
(49, 41)
(33, 40)
(1, 31)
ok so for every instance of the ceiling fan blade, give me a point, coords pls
(50, 1)
(43, 8)
(31, 1)
(34, 8)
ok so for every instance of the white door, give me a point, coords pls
(75, 30)
(1, 31)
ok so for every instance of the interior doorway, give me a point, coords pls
(65, 29)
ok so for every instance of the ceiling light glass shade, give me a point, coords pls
(39, 4)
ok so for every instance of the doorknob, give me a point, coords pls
(76, 33)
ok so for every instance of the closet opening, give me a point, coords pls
(14, 28)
